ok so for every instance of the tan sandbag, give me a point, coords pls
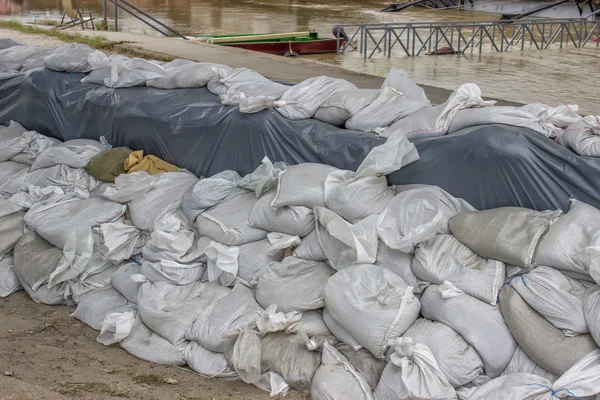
(136, 161)
(543, 343)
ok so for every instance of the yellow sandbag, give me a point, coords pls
(150, 164)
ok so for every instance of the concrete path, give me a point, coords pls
(274, 67)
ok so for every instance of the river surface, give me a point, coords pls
(555, 76)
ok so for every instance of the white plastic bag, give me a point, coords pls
(244, 80)
(521, 363)
(12, 175)
(339, 107)
(207, 363)
(127, 281)
(133, 72)
(591, 309)
(583, 136)
(263, 178)
(118, 241)
(292, 220)
(69, 180)
(95, 306)
(72, 153)
(129, 186)
(13, 58)
(209, 192)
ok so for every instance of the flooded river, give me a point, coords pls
(552, 76)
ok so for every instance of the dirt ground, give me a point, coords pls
(46, 354)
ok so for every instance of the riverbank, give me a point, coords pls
(273, 67)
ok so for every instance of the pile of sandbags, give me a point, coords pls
(307, 277)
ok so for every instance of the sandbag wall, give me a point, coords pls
(308, 277)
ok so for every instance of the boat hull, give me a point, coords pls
(300, 47)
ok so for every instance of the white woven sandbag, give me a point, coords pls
(234, 311)
(416, 214)
(12, 175)
(339, 331)
(125, 282)
(310, 248)
(583, 136)
(147, 345)
(336, 378)
(521, 363)
(69, 180)
(458, 360)
(564, 245)
(209, 192)
(12, 131)
(401, 264)
(33, 194)
(9, 282)
(243, 80)
(508, 234)
(133, 72)
(303, 100)
(35, 260)
(54, 296)
(263, 178)
(364, 362)
(189, 75)
(312, 324)
(118, 241)
(580, 381)
(480, 324)
(302, 185)
(116, 326)
(56, 222)
(545, 344)
(434, 121)
(357, 195)
(165, 195)
(338, 108)
(255, 257)
(173, 272)
(398, 79)
(373, 304)
(292, 220)
(227, 223)
(288, 356)
(170, 310)
(12, 227)
(293, 284)
(556, 297)
(75, 153)
(390, 106)
(412, 373)
(207, 363)
(591, 309)
(505, 115)
(36, 61)
(29, 145)
(13, 58)
(94, 306)
(344, 243)
(71, 57)
(444, 258)
(76, 289)
(553, 120)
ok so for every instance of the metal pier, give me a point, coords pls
(415, 38)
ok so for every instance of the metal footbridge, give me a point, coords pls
(416, 38)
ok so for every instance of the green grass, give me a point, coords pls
(96, 42)
(45, 22)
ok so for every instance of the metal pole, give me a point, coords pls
(105, 11)
(116, 16)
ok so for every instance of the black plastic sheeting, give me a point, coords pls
(489, 166)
